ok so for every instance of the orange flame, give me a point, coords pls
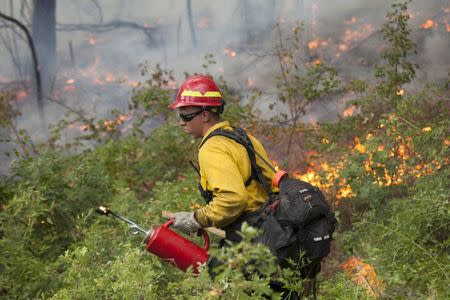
(400, 92)
(363, 274)
(345, 192)
(21, 95)
(108, 124)
(91, 40)
(82, 127)
(313, 44)
(428, 24)
(229, 52)
(402, 152)
(327, 182)
(327, 176)
(349, 111)
(109, 77)
(122, 118)
(343, 47)
(358, 146)
(355, 35)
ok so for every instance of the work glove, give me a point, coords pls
(186, 222)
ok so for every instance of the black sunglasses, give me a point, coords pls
(191, 116)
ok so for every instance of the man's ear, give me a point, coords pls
(206, 116)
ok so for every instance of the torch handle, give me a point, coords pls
(213, 230)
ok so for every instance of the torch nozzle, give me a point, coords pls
(135, 229)
(102, 210)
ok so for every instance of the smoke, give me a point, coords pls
(346, 32)
(436, 56)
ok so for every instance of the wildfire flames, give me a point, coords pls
(96, 77)
(107, 124)
(316, 43)
(327, 176)
(349, 111)
(401, 153)
(433, 25)
(113, 124)
(229, 52)
(249, 82)
(428, 24)
(91, 40)
(350, 36)
(363, 274)
(21, 95)
(330, 181)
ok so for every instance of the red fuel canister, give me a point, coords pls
(173, 248)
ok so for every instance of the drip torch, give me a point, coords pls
(166, 244)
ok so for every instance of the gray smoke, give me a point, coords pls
(242, 36)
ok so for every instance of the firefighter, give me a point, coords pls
(230, 188)
(225, 169)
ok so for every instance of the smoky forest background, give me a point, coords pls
(349, 95)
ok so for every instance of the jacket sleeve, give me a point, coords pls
(226, 182)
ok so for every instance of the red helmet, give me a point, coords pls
(198, 90)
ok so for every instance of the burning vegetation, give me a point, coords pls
(383, 164)
(364, 275)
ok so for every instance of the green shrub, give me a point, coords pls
(407, 238)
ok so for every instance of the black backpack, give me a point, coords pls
(295, 221)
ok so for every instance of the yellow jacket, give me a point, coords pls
(224, 169)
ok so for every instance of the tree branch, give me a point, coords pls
(37, 73)
(14, 59)
(107, 27)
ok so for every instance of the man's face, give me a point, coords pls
(195, 126)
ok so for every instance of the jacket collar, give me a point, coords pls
(223, 124)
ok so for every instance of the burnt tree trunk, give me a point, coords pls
(36, 72)
(44, 37)
(306, 12)
(191, 23)
(246, 11)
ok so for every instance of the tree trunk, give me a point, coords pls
(247, 14)
(306, 16)
(191, 23)
(44, 37)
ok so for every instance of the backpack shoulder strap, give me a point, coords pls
(240, 136)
